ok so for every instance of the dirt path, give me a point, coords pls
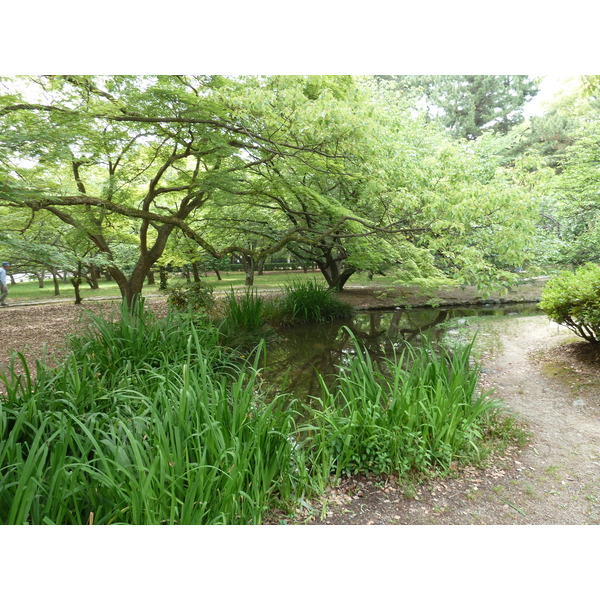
(555, 479)
(558, 480)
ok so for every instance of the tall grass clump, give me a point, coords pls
(147, 422)
(310, 302)
(418, 412)
(244, 325)
(244, 311)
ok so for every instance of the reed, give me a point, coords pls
(310, 302)
(418, 411)
(172, 434)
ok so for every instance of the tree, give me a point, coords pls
(576, 197)
(404, 196)
(336, 169)
(146, 154)
(469, 105)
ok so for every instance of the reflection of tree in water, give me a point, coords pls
(314, 349)
(322, 348)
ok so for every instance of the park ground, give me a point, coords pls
(549, 381)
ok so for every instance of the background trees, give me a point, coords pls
(469, 105)
(143, 155)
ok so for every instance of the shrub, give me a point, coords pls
(573, 299)
(197, 296)
(310, 302)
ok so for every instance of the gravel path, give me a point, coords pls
(558, 481)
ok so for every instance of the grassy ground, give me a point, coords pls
(27, 291)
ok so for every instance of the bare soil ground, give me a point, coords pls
(547, 378)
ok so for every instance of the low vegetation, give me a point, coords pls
(197, 297)
(152, 420)
(307, 301)
(573, 299)
(417, 412)
(148, 421)
(249, 318)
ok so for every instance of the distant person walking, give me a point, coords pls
(3, 287)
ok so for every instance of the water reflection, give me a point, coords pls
(302, 352)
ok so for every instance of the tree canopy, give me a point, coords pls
(337, 170)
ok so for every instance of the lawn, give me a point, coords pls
(28, 291)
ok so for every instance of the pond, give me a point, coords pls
(293, 361)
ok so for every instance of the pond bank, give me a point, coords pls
(386, 298)
(553, 480)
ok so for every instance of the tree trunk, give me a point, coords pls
(218, 274)
(40, 277)
(343, 278)
(163, 278)
(261, 266)
(56, 281)
(195, 272)
(186, 274)
(131, 288)
(335, 274)
(93, 278)
(76, 281)
(249, 268)
(151, 280)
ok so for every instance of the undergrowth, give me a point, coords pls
(154, 421)
(308, 302)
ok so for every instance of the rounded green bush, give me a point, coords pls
(573, 299)
(197, 296)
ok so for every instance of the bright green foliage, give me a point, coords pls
(561, 163)
(146, 423)
(573, 299)
(419, 411)
(336, 170)
(244, 312)
(576, 198)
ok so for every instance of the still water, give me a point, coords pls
(301, 352)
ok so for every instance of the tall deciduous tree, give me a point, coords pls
(149, 153)
(333, 168)
(576, 197)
